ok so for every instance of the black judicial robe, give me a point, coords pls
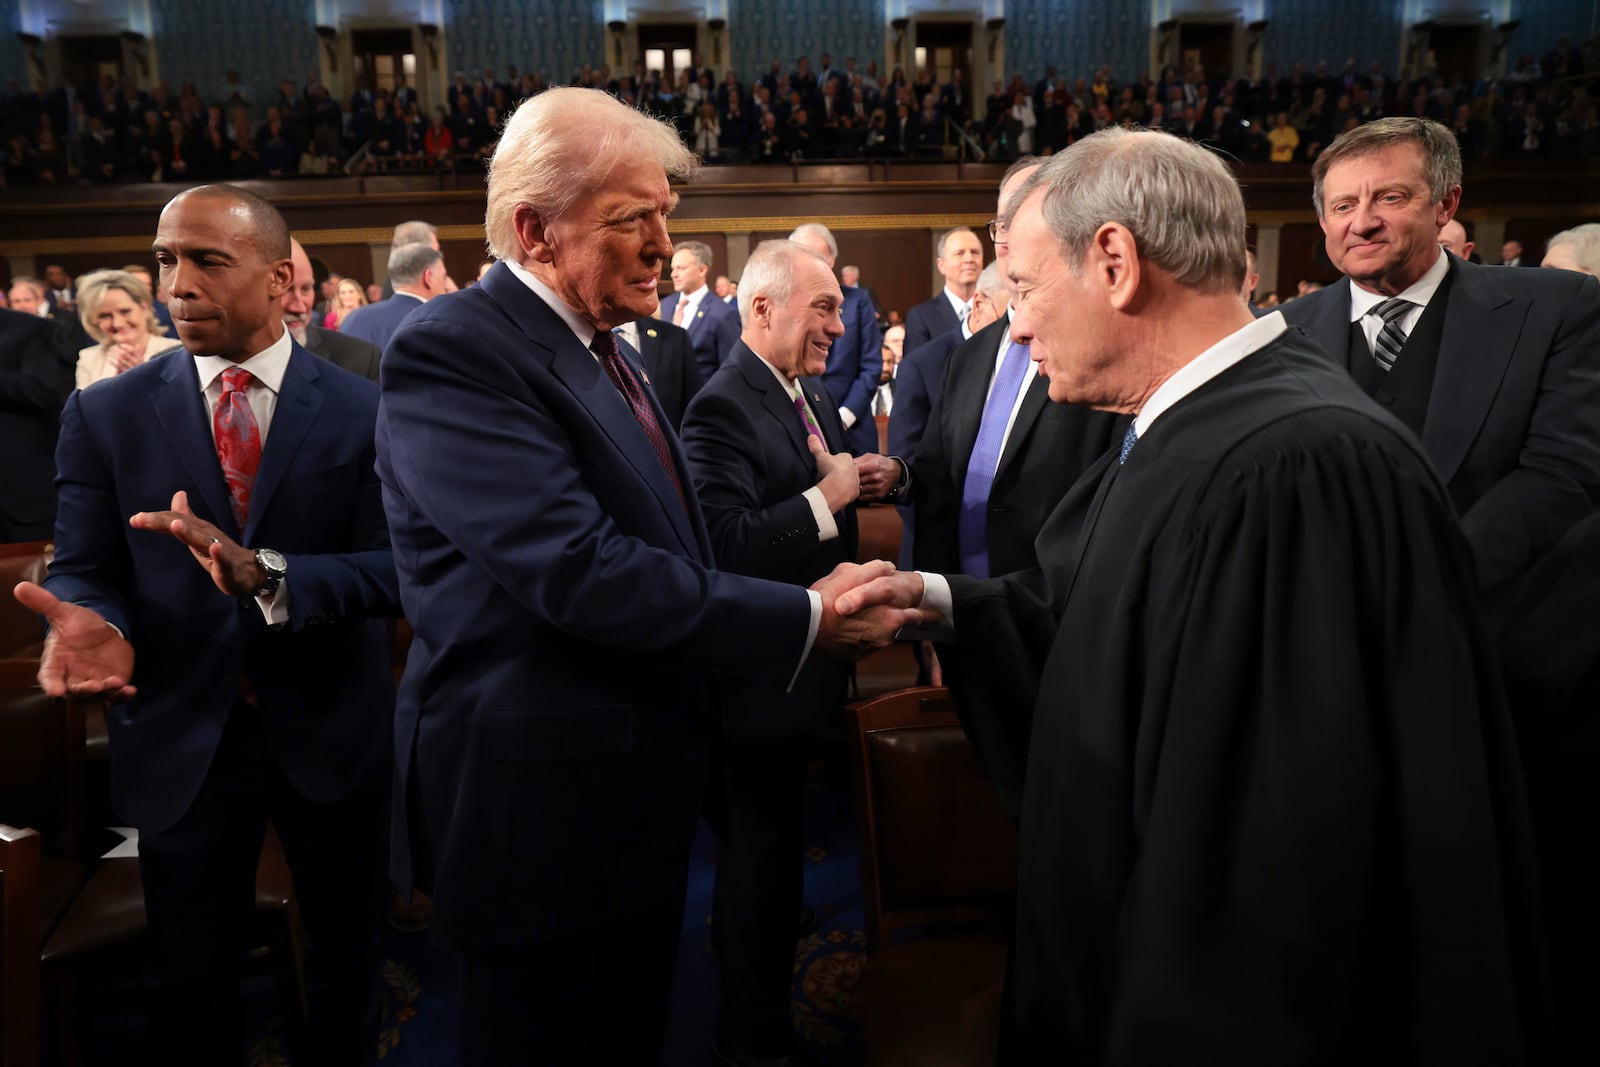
(1272, 811)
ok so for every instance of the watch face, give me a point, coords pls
(272, 560)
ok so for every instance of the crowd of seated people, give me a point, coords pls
(120, 132)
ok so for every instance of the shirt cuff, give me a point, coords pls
(847, 417)
(275, 605)
(936, 597)
(827, 528)
(811, 635)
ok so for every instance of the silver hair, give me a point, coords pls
(93, 287)
(1441, 154)
(992, 285)
(768, 272)
(1181, 203)
(816, 231)
(701, 250)
(1585, 243)
(415, 232)
(563, 144)
(408, 263)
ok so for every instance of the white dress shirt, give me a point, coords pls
(1363, 305)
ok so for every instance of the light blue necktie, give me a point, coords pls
(1129, 439)
(972, 525)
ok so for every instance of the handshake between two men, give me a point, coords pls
(864, 605)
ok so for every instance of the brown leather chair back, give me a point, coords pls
(21, 631)
(936, 846)
(19, 947)
(41, 760)
(879, 536)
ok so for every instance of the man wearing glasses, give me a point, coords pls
(994, 460)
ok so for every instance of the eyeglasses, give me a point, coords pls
(997, 232)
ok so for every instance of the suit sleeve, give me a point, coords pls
(359, 582)
(918, 332)
(869, 361)
(909, 419)
(1557, 477)
(92, 565)
(454, 432)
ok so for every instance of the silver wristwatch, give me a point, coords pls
(274, 566)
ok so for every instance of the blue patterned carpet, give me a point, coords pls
(419, 1025)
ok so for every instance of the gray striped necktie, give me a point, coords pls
(1391, 338)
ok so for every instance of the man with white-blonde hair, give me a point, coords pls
(553, 729)
(1575, 249)
(1272, 810)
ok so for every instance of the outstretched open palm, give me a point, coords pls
(85, 658)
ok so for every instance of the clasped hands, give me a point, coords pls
(865, 605)
(85, 657)
(845, 479)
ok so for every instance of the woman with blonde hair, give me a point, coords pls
(346, 298)
(115, 307)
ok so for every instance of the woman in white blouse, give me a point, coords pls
(114, 306)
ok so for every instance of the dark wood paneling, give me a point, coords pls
(1301, 257)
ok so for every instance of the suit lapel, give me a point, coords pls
(827, 413)
(1329, 324)
(1034, 399)
(180, 409)
(966, 392)
(581, 373)
(777, 404)
(299, 400)
(1481, 327)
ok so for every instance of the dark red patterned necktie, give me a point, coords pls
(604, 345)
(238, 439)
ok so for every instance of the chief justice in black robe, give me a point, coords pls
(1272, 812)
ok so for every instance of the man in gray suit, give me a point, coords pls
(351, 353)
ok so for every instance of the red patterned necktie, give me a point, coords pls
(238, 439)
(604, 345)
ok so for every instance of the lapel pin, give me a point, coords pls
(650, 333)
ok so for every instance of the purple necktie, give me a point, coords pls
(604, 345)
(806, 416)
(972, 526)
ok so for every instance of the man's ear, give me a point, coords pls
(533, 234)
(1113, 261)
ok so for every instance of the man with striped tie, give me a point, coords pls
(1496, 371)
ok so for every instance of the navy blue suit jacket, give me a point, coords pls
(917, 385)
(747, 450)
(376, 323)
(854, 363)
(668, 360)
(323, 681)
(928, 320)
(1511, 417)
(555, 715)
(714, 330)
